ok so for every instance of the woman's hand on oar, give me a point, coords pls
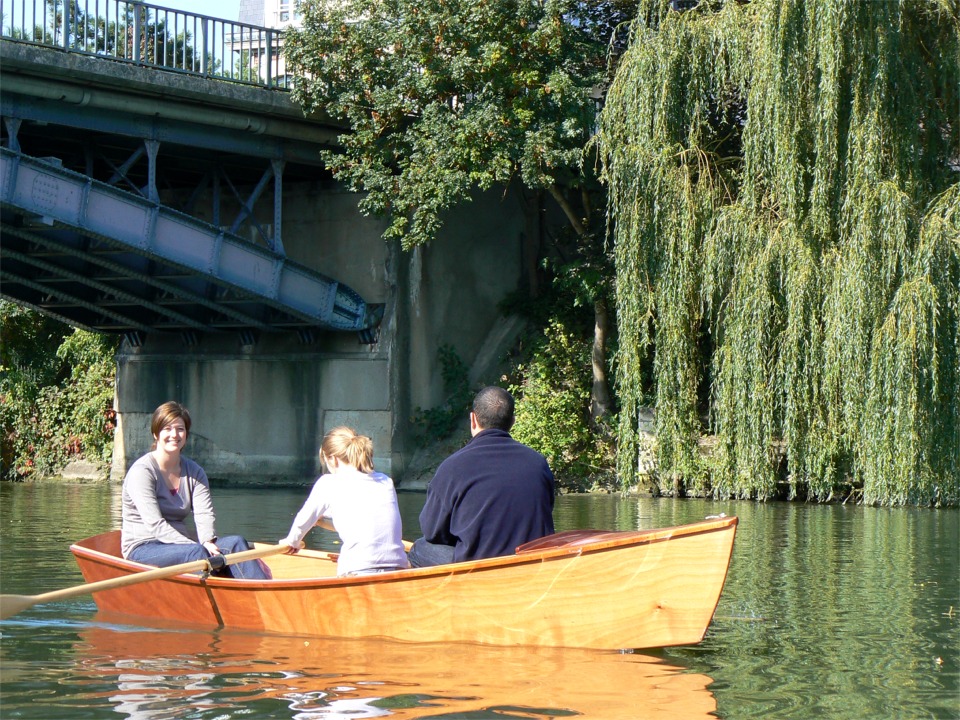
(10, 605)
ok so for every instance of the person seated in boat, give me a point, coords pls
(489, 497)
(162, 489)
(356, 502)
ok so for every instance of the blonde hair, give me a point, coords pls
(348, 447)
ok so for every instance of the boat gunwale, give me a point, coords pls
(611, 540)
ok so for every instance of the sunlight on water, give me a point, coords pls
(158, 673)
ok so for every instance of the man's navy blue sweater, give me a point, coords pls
(489, 497)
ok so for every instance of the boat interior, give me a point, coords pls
(305, 564)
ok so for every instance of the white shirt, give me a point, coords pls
(363, 508)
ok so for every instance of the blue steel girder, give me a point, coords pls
(94, 261)
(59, 303)
(67, 104)
(68, 270)
(200, 258)
(110, 298)
(149, 132)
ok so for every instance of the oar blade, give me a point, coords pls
(10, 605)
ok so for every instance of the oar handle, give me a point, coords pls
(12, 604)
(158, 573)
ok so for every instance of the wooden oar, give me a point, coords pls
(12, 604)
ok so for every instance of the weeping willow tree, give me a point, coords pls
(785, 206)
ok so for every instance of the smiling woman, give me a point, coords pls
(161, 491)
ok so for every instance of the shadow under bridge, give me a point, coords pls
(105, 259)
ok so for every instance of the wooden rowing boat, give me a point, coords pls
(589, 589)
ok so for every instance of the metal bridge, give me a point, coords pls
(139, 145)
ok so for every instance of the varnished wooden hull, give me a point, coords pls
(640, 589)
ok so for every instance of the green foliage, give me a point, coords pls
(553, 408)
(442, 98)
(56, 394)
(783, 193)
(437, 423)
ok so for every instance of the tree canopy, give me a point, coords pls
(445, 97)
(785, 203)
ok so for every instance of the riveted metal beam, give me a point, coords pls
(126, 273)
(107, 290)
(65, 301)
(141, 228)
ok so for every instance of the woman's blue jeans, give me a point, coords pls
(161, 554)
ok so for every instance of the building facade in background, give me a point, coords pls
(269, 13)
(276, 14)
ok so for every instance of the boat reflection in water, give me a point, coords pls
(160, 673)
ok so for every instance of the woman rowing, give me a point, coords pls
(160, 491)
(357, 502)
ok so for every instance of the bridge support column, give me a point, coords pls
(153, 147)
(258, 412)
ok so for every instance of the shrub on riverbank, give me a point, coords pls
(552, 389)
(56, 394)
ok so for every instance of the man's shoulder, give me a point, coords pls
(521, 448)
(485, 441)
(453, 458)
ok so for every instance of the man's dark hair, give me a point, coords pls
(493, 407)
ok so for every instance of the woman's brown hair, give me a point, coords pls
(166, 414)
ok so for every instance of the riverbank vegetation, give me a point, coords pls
(785, 202)
(443, 100)
(56, 394)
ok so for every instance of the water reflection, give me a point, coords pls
(155, 673)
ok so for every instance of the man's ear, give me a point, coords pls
(474, 425)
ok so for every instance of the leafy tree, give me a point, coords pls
(445, 97)
(784, 182)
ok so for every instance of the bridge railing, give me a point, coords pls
(150, 35)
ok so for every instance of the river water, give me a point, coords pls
(837, 611)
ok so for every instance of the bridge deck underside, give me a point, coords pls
(124, 223)
(116, 262)
(94, 283)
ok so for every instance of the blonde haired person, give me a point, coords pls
(357, 502)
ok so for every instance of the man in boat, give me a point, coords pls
(489, 497)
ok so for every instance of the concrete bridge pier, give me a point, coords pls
(260, 409)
